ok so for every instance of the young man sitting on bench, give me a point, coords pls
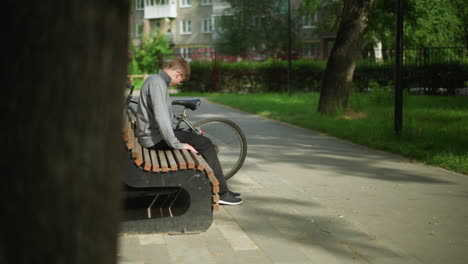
(154, 123)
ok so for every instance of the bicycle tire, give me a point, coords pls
(230, 141)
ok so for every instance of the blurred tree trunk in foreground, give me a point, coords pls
(338, 76)
(63, 107)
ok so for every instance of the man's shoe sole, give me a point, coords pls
(229, 203)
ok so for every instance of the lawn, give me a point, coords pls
(435, 128)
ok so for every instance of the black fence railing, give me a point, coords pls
(438, 70)
(418, 56)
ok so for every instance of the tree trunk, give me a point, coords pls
(338, 76)
(61, 130)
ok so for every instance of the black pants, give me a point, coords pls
(205, 147)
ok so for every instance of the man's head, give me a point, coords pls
(178, 69)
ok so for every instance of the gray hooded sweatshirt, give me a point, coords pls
(154, 112)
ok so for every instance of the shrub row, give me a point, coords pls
(306, 75)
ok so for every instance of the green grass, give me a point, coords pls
(435, 129)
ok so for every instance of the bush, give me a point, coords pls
(267, 76)
(369, 75)
(147, 57)
(306, 75)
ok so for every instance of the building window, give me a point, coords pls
(185, 3)
(207, 25)
(156, 2)
(186, 27)
(311, 50)
(138, 30)
(309, 21)
(206, 2)
(185, 53)
(139, 4)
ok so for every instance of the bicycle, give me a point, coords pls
(228, 138)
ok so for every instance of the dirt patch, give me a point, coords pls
(351, 114)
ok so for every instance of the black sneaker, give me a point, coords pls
(236, 194)
(228, 199)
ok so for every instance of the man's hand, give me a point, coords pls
(189, 147)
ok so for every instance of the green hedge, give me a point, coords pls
(268, 76)
(272, 76)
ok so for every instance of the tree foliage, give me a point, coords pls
(147, 57)
(427, 23)
(255, 25)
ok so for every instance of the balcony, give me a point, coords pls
(155, 11)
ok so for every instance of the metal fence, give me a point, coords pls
(426, 70)
(418, 56)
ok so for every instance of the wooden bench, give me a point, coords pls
(167, 191)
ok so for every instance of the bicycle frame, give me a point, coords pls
(182, 118)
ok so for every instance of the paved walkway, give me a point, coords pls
(311, 198)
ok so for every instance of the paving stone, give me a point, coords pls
(256, 256)
(216, 242)
(155, 253)
(265, 235)
(151, 239)
(243, 183)
(188, 249)
(232, 232)
(129, 249)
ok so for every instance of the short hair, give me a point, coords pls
(180, 64)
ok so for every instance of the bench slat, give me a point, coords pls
(188, 158)
(139, 154)
(154, 160)
(171, 160)
(180, 160)
(126, 136)
(215, 198)
(130, 142)
(198, 161)
(147, 159)
(125, 126)
(126, 130)
(163, 161)
(134, 148)
(210, 173)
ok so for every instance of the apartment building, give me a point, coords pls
(189, 25)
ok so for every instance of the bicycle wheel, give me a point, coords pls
(229, 140)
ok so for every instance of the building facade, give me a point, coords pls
(189, 26)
